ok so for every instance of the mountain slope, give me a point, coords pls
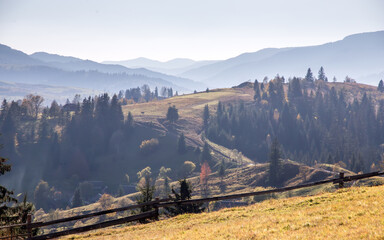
(9, 56)
(356, 55)
(208, 71)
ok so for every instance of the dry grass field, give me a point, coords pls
(351, 213)
(190, 107)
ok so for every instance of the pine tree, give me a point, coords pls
(274, 163)
(206, 116)
(77, 200)
(322, 74)
(54, 110)
(129, 122)
(5, 195)
(309, 76)
(181, 147)
(221, 170)
(380, 87)
(221, 173)
(185, 193)
(147, 191)
(206, 154)
(172, 114)
(256, 88)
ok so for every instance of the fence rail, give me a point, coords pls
(156, 204)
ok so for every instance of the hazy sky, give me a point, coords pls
(199, 29)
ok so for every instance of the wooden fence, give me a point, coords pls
(158, 203)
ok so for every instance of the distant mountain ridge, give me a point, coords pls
(61, 71)
(76, 64)
(173, 67)
(358, 55)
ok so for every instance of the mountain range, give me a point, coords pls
(360, 56)
(51, 70)
(175, 66)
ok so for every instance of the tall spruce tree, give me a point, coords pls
(181, 147)
(172, 114)
(184, 193)
(5, 194)
(77, 200)
(206, 116)
(256, 88)
(322, 74)
(380, 87)
(309, 76)
(274, 163)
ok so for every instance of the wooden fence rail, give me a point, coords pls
(339, 180)
(156, 204)
(97, 226)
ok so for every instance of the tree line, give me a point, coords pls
(314, 122)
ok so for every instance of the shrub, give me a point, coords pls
(149, 146)
(105, 201)
(187, 168)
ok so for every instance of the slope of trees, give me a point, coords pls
(90, 140)
(313, 122)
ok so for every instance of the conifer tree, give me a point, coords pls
(77, 200)
(309, 76)
(256, 88)
(184, 193)
(147, 191)
(172, 114)
(181, 147)
(221, 173)
(206, 116)
(206, 154)
(322, 74)
(5, 194)
(274, 163)
(380, 87)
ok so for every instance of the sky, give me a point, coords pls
(201, 29)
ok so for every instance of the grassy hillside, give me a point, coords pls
(190, 108)
(352, 213)
(245, 179)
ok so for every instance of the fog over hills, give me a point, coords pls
(54, 71)
(174, 67)
(360, 56)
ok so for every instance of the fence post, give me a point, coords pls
(11, 230)
(29, 229)
(341, 182)
(156, 206)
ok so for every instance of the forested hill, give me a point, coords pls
(315, 122)
(100, 140)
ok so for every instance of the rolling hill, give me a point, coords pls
(358, 55)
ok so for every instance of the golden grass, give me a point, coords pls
(353, 213)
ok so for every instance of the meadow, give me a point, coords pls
(350, 213)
